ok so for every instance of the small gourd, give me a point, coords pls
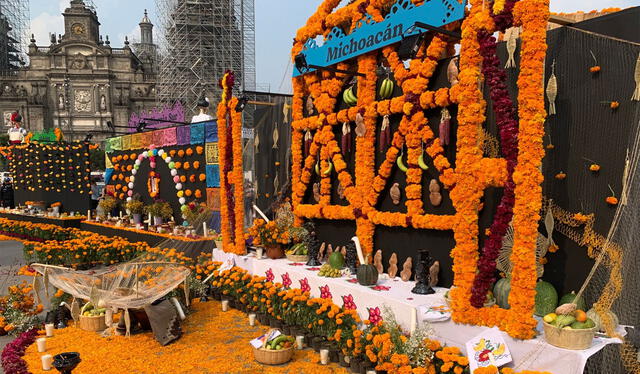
(367, 275)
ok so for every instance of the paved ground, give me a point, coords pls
(10, 261)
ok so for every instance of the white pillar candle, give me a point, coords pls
(252, 319)
(42, 344)
(46, 362)
(48, 328)
(108, 317)
(259, 252)
(120, 214)
(371, 372)
(204, 229)
(150, 223)
(324, 356)
(414, 320)
(89, 215)
(225, 305)
(300, 342)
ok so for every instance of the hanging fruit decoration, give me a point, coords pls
(349, 97)
(394, 193)
(400, 162)
(346, 139)
(435, 197)
(384, 141)
(308, 139)
(386, 88)
(421, 162)
(445, 126)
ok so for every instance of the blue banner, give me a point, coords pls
(369, 35)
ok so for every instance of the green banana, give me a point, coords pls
(329, 169)
(274, 343)
(401, 164)
(351, 97)
(386, 89)
(421, 162)
(345, 95)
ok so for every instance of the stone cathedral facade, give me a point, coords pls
(79, 82)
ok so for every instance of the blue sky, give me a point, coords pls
(276, 24)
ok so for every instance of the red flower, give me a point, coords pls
(348, 303)
(270, 276)
(325, 293)
(374, 315)
(304, 285)
(286, 281)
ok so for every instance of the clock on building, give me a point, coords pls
(78, 29)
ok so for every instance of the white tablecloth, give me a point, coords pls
(534, 354)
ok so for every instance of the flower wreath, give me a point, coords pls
(473, 173)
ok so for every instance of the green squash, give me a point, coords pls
(367, 275)
(336, 260)
(570, 297)
(501, 292)
(592, 314)
(546, 298)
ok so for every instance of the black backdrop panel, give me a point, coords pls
(52, 173)
(583, 128)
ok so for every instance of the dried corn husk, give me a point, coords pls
(361, 129)
(286, 108)
(552, 89)
(309, 105)
(453, 71)
(636, 92)
(276, 184)
(256, 143)
(394, 192)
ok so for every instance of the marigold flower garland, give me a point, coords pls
(231, 173)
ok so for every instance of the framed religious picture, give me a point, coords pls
(212, 153)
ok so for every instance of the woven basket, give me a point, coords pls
(298, 258)
(92, 323)
(267, 357)
(568, 339)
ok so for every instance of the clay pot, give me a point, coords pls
(275, 252)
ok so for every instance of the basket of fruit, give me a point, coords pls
(569, 331)
(92, 318)
(298, 253)
(276, 352)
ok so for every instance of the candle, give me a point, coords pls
(120, 214)
(371, 372)
(46, 362)
(150, 219)
(108, 317)
(414, 320)
(225, 305)
(42, 344)
(252, 319)
(324, 356)
(49, 329)
(89, 215)
(300, 342)
(204, 229)
(259, 253)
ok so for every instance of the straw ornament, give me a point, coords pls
(636, 93)
(512, 43)
(552, 89)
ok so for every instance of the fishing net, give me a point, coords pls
(129, 285)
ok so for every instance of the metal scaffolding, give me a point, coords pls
(14, 33)
(199, 41)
